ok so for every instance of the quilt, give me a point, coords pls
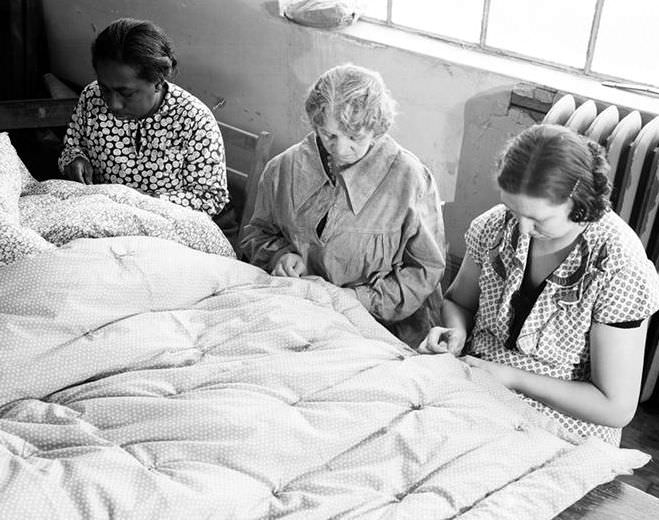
(143, 379)
(37, 216)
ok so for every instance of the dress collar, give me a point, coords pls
(360, 180)
(571, 269)
(311, 172)
(364, 177)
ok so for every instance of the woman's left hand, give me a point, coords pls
(349, 291)
(503, 373)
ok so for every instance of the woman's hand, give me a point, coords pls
(349, 291)
(503, 373)
(290, 264)
(441, 340)
(79, 170)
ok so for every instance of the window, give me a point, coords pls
(612, 39)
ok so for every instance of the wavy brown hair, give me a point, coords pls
(555, 163)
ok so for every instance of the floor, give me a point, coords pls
(643, 434)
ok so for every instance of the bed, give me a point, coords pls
(146, 373)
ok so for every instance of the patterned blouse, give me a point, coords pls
(378, 228)
(176, 154)
(606, 278)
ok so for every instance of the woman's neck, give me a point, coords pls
(544, 259)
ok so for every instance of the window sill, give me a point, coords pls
(562, 81)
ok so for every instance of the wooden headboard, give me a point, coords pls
(246, 152)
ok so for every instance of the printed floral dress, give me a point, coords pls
(176, 154)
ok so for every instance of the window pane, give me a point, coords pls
(460, 19)
(375, 9)
(550, 30)
(627, 40)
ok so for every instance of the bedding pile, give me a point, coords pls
(37, 216)
(142, 379)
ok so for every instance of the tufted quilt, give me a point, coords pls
(142, 379)
(37, 216)
(61, 211)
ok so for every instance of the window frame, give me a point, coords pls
(482, 47)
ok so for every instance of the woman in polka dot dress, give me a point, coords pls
(132, 126)
(555, 290)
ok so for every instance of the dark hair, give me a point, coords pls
(140, 44)
(355, 96)
(555, 163)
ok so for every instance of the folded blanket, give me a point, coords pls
(36, 216)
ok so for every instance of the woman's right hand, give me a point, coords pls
(79, 170)
(290, 264)
(441, 340)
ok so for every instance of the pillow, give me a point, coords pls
(17, 242)
(62, 211)
(10, 180)
(14, 177)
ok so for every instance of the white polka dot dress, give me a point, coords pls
(606, 279)
(176, 154)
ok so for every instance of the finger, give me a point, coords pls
(434, 335)
(453, 344)
(78, 175)
(289, 270)
(89, 173)
(436, 340)
(427, 347)
(439, 348)
(472, 361)
(277, 271)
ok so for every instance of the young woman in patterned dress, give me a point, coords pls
(132, 126)
(555, 290)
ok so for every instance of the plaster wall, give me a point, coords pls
(455, 118)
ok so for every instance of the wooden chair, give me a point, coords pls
(35, 113)
(246, 155)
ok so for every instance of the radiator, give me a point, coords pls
(632, 147)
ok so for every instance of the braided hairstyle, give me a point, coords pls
(141, 44)
(555, 163)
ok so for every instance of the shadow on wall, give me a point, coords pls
(272, 7)
(490, 121)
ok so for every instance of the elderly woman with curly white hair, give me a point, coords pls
(351, 205)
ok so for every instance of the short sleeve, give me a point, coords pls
(631, 293)
(483, 232)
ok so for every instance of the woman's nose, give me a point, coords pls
(341, 146)
(114, 101)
